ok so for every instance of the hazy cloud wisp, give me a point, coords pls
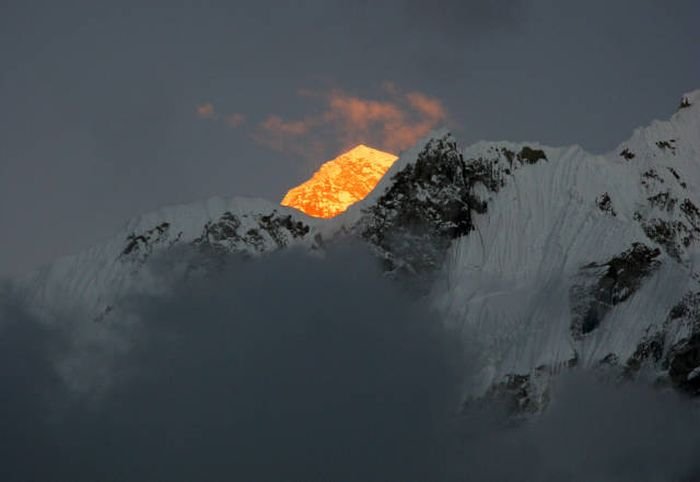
(393, 124)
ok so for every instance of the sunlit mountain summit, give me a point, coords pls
(340, 182)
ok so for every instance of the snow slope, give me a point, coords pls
(516, 281)
(89, 284)
(546, 257)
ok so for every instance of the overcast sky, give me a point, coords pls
(109, 110)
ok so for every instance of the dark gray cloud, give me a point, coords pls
(99, 99)
(283, 368)
(591, 431)
(292, 367)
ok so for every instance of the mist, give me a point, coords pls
(299, 366)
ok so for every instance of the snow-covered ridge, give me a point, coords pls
(610, 242)
(90, 282)
(546, 257)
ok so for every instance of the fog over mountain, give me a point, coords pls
(498, 311)
(295, 367)
(323, 240)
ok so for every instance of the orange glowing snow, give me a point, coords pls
(340, 182)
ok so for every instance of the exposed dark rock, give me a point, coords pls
(253, 238)
(608, 368)
(673, 236)
(688, 309)
(685, 103)
(510, 155)
(140, 246)
(678, 177)
(605, 285)
(669, 144)
(429, 203)
(649, 351)
(682, 360)
(691, 212)
(135, 242)
(531, 156)
(673, 229)
(225, 228)
(487, 172)
(604, 203)
(432, 201)
(684, 365)
(627, 154)
(649, 176)
(517, 394)
(663, 200)
(280, 226)
(224, 233)
(610, 360)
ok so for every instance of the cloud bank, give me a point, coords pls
(297, 367)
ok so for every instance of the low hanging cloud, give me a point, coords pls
(392, 124)
(287, 367)
(297, 367)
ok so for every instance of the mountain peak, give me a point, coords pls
(340, 182)
(544, 257)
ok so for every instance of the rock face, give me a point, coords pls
(273, 230)
(609, 284)
(431, 202)
(545, 258)
(428, 204)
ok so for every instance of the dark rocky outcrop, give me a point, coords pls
(627, 154)
(433, 200)
(675, 174)
(516, 394)
(139, 246)
(684, 365)
(602, 286)
(649, 352)
(671, 223)
(669, 144)
(429, 204)
(662, 200)
(683, 358)
(530, 155)
(673, 236)
(225, 233)
(604, 203)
